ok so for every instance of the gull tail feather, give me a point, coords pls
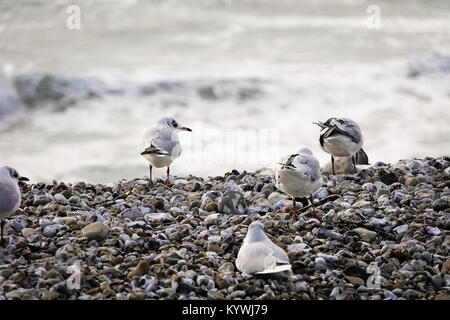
(285, 165)
(154, 152)
(277, 269)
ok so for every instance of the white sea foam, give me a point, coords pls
(220, 66)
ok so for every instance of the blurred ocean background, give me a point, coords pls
(75, 103)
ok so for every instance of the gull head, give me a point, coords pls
(255, 226)
(255, 232)
(326, 124)
(12, 173)
(173, 124)
(305, 151)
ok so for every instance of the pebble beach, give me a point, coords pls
(384, 234)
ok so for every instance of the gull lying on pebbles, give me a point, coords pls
(9, 195)
(259, 255)
(160, 145)
(299, 176)
(340, 137)
(344, 165)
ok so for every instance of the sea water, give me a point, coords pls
(249, 77)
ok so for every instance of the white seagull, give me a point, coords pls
(344, 165)
(340, 137)
(299, 176)
(259, 254)
(160, 145)
(9, 195)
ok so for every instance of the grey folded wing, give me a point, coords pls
(348, 128)
(344, 126)
(280, 254)
(308, 164)
(153, 150)
(161, 141)
(9, 197)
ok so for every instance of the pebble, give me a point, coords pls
(51, 230)
(446, 267)
(227, 267)
(212, 218)
(141, 269)
(437, 281)
(267, 190)
(276, 197)
(301, 286)
(26, 232)
(41, 199)
(158, 217)
(364, 234)
(298, 247)
(389, 178)
(232, 202)
(355, 280)
(322, 233)
(442, 296)
(132, 214)
(379, 223)
(96, 230)
(401, 230)
(433, 231)
(18, 224)
(60, 199)
(212, 207)
(176, 243)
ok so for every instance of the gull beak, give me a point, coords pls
(24, 179)
(320, 124)
(185, 129)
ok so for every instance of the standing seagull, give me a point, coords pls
(299, 176)
(9, 195)
(340, 137)
(259, 254)
(160, 145)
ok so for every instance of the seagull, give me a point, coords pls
(9, 195)
(160, 145)
(340, 137)
(345, 164)
(299, 176)
(259, 255)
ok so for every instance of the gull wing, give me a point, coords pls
(307, 164)
(336, 130)
(277, 269)
(161, 140)
(342, 126)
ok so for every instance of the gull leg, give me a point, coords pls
(313, 207)
(150, 182)
(354, 161)
(332, 164)
(425, 224)
(294, 208)
(2, 241)
(167, 180)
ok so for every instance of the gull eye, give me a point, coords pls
(174, 124)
